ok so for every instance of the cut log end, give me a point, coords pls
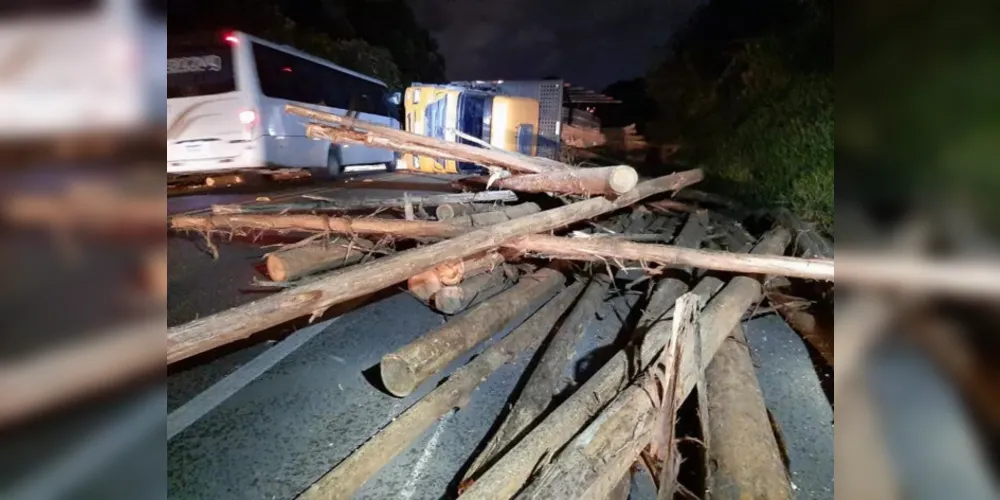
(276, 269)
(397, 376)
(623, 179)
(450, 299)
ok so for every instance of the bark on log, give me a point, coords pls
(590, 249)
(510, 472)
(348, 476)
(447, 211)
(294, 263)
(457, 298)
(489, 218)
(315, 223)
(405, 369)
(544, 379)
(240, 322)
(424, 285)
(609, 181)
(406, 142)
(85, 368)
(744, 451)
(806, 239)
(611, 437)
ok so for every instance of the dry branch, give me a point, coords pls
(511, 471)
(357, 132)
(544, 379)
(408, 367)
(745, 456)
(240, 322)
(294, 263)
(348, 476)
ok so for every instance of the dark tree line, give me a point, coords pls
(377, 37)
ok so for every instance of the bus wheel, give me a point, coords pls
(332, 170)
(390, 166)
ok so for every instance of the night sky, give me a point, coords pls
(587, 42)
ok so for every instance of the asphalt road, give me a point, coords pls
(272, 416)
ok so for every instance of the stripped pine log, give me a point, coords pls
(511, 471)
(407, 142)
(545, 377)
(582, 181)
(207, 333)
(294, 263)
(424, 285)
(447, 211)
(589, 249)
(323, 204)
(408, 367)
(348, 476)
(745, 455)
(484, 219)
(454, 299)
(611, 437)
(315, 223)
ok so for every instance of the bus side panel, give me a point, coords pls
(514, 117)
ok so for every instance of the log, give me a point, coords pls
(807, 240)
(672, 206)
(408, 367)
(495, 217)
(544, 379)
(358, 132)
(611, 181)
(315, 223)
(424, 285)
(207, 333)
(294, 263)
(348, 476)
(447, 211)
(590, 249)
(745, 455)
(611, 437)
(505, 477)
(457, 298)
(323, 204)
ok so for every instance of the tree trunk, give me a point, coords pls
(505, 477)
(426, 284)
(334, 205)
(454, 299)
(207, 333)
(447, 211)
(350, 474)
(316, 223)
(744, 453)
(590, 249)
(408, 367)
(611, 181)
(407, 142)
(544, 379)
(495, 217)
(294, 263)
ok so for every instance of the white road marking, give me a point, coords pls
(411, 484)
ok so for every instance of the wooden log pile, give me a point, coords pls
(542, 266)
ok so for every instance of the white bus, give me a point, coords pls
(226, 96)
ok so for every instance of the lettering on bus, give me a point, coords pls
(195, 64)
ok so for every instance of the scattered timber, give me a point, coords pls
(746, 459)
(293, 263)
(807, 239)
(454, 299)
(504, 214)
(611, 181)
(348, 476)
(352, 131)
(447, 211)
(544, 379)
(207, 333)
(408, 367)
(511, 471)
(314, 223)
(424, 285)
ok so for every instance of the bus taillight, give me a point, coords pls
(248, 117)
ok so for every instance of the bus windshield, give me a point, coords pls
(200, 70)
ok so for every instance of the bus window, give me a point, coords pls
(198, 71)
